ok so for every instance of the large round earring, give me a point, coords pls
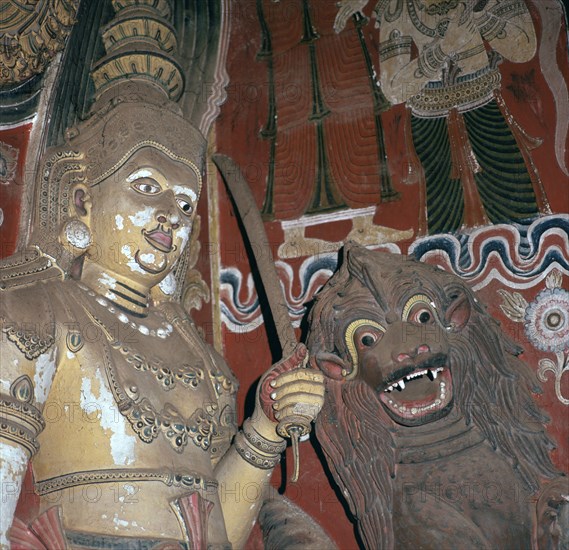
(77, 234)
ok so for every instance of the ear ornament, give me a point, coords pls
(76, 234)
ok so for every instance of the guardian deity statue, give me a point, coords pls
(127, 416)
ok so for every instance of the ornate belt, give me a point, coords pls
(467, 93)
(190, 481)
(79, 541)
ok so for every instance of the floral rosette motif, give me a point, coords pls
(546, 324)
(547, 320)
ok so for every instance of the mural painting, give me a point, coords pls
(429, 134)
(476, 186)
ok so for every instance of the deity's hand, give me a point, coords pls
(461, 31)
(347, 8)
(288, 389)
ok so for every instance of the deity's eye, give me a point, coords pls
(419, 309)
(148, 186)
(185, 206)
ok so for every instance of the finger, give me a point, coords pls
(299, 356)
(341, 18)
(308, 410)
(300, 399)
(303, 386)
(311, 375)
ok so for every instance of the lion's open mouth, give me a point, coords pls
(420, 395)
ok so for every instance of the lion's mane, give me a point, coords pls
(492, 390)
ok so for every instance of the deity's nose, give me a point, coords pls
(172, 219)
(169, 211)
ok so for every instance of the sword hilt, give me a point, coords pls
(294, 427)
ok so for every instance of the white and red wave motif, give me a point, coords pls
(518, 257)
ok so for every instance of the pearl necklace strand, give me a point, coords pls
(163, 331)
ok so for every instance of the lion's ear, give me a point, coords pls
(458, 312)
(332, 366)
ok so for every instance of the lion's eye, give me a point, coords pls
(368, 339)
(147, 186)
(422, 316)
(361, 335)
(366, 335)
(419, 309)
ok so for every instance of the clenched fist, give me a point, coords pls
(286, 390)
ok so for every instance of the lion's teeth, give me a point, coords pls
(401, 385)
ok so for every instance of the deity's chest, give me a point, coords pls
(123, 399)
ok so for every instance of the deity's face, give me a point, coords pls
(141, 216)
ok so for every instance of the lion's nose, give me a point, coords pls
(423, 348)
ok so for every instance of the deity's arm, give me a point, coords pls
(28, 358)
(402, 77)
(242, 489)
(245, 471)
(508, 27)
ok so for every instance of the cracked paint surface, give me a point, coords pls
(122, 444)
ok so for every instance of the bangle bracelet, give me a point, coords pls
(431, 60)
(250, 455)
(260, 443)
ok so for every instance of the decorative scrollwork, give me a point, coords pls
(558, 369)
(29, 342)
(32, 37)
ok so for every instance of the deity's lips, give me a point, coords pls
(420, 393)
(159, 239)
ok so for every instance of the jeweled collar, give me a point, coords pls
(439, 439)
(123, 294)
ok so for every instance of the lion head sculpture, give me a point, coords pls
(413, 363)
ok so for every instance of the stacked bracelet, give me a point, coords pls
(260, 443)
(257, 450)
(431, 60)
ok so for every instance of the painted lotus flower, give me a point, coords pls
(547, 320)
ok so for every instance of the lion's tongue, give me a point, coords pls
(419, 394)
(416, 391)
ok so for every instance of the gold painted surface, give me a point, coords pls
(87, 431)
(32, 33)
(161, 7)
(141, 45)
(121, 33)
(147, 66)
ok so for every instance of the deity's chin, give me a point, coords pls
(154, 263)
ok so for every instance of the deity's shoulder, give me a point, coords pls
(29, 354)
(28, 317)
